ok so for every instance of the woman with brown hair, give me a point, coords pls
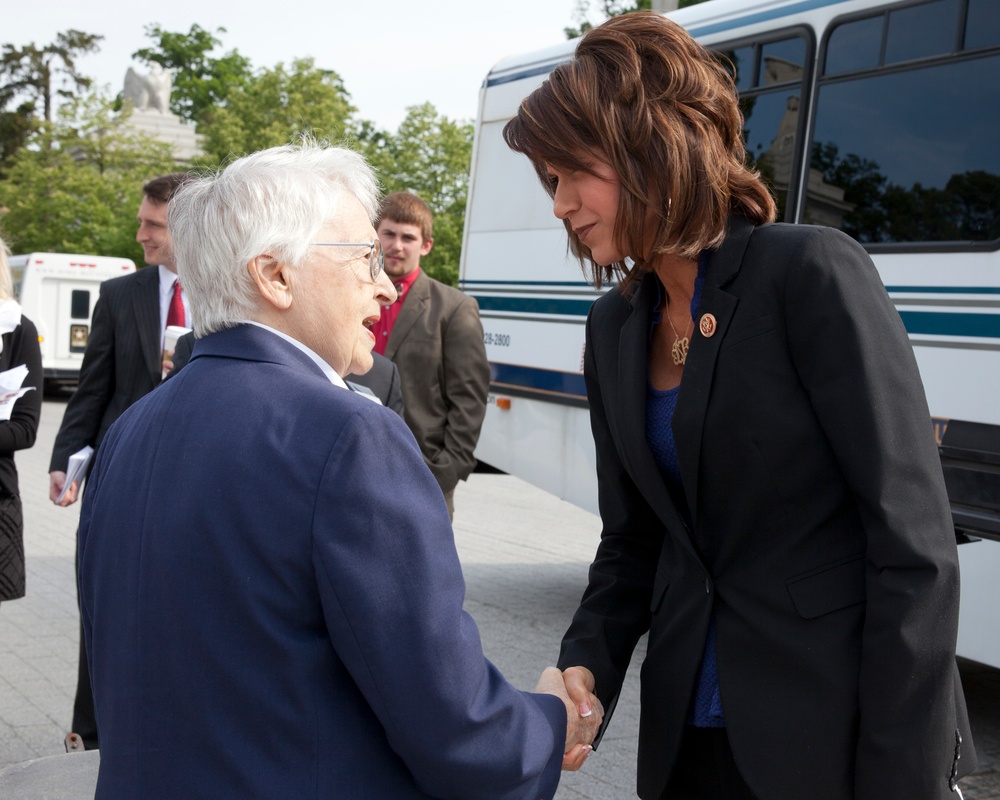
(18, 426)
(774, 512)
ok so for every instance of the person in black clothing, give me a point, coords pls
(18, 347)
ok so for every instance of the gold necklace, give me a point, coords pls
(679, 350)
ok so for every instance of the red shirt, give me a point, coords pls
(383, 327)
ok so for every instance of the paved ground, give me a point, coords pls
(525, 556)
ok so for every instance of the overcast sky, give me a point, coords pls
(391, 54)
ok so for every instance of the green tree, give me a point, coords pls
(32, 74)
(274, 107)
(611, 8)
(76, 185)
(429, 155)
(201, 83)
(15, 128)
(41, 73)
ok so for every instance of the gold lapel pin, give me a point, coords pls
(707, 325)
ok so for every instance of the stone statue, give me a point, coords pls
(149, 92)
(149, 98)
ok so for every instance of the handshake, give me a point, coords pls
(584, 712)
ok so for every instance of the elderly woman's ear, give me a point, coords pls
(273, 279)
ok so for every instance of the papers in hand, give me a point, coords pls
(10, 389)
(364, 391)
(76, 469)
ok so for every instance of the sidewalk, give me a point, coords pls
(525, 556)
(39, 633)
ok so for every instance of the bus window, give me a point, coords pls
(770, 122)
(982, 25)
(908, 155)
(922, 31)
(854, 46)
(783, 61)
(911, 156)
(770, 95)
(743, 61)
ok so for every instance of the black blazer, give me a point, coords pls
(20, 346)
(813, 523)
(382, 378)
(121, 364)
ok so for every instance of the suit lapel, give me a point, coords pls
(633, 356)
(630, 417)
(146, 307)
(692, 401)
(413, 308)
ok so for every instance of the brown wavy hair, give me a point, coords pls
(663, 110)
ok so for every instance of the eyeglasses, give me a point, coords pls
(376, 260)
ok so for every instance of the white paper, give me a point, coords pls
(364, 391)
(76, 468)
(10, 389)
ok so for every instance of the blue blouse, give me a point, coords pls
(706, 706)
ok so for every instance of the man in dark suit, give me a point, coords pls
(271, 595)
(123, 362)
(381, 381)
(433, 334)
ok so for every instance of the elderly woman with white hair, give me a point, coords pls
(18, 425)
(271, 595)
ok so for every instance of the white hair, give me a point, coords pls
(273, 202)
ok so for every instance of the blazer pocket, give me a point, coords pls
(750, 330)
(829, 588)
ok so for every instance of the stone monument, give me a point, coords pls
(149, 97)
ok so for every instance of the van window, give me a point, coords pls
(79, 304)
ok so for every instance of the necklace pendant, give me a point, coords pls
(679, 351)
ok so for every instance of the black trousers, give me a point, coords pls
(84, 719)
(706, 769)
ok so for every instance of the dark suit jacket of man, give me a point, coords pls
(437, 343)
(818, 529)
(264, 619)
(383, 378)
(120, 365)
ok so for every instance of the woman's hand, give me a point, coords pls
(584, 712)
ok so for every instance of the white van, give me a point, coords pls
(57, 291)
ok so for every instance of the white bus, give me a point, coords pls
(57, 291)
(878, 118)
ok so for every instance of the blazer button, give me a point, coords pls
(708, 585)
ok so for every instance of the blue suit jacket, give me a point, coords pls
(272, 601)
